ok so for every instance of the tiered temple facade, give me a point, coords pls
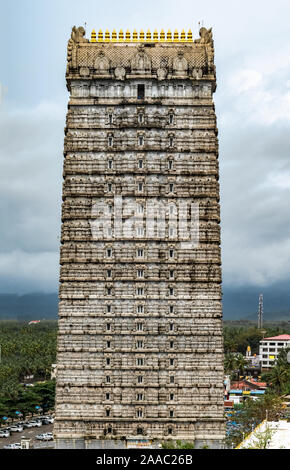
(140, 349)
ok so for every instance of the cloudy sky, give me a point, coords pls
(252, 48)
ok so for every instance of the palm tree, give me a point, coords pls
(229, 362)
(279, 378)
(241, 363)
(230, 345)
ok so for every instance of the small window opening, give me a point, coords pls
(141, 92)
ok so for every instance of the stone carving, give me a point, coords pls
(180, 64)
(84, 71)
(77, 34)
(141, 63)
(120, 73)
(196, 73)
(102, 64)
(161, 73)
(205, 36)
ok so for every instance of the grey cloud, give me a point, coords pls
(30, 197)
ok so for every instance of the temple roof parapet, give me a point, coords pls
(162, 56)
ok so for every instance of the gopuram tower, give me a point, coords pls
(140, 348)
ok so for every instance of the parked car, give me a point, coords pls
(45, 436)
(16, 445)
(35, 423)
(16, 428)
(27, 425)
(4, 433)
(50, 419)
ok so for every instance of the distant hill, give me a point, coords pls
(29, 306)
(238, 303)
(242, 302)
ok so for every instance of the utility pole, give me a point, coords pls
(260, 312)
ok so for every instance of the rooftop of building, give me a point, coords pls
(278, 338)
(236, 391)
(248, 384)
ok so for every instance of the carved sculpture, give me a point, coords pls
(161, 73)
(102, 64)
(120, 73)
(205, 36)
(77, 34)
(180, 64)
(141, 63)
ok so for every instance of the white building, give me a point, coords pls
(278, 433)
(270, 348)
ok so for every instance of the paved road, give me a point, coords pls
(28, 432)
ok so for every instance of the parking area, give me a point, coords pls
(29, 433)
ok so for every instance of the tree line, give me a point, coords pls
(26, 350)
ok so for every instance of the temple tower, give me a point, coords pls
(140, 349)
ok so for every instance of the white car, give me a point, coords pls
(35, 423)
(16, 428)
(50, 419)
(45, 436)
(4, 433)
(28, 425)
(16, 445)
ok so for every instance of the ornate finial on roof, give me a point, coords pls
(135, 36)
(205, 36)
(189, 36)
(148, 35)
(114, 36)
(93, 36)
(142, 35)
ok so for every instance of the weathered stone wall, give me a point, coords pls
(140, 335)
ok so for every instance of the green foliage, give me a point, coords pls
(261, 439)
(238, 338)
(252, 413)
(278, 376)
(234, 362)
(177, 445)
(26, 400)
(25, 350)
(229, 362)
